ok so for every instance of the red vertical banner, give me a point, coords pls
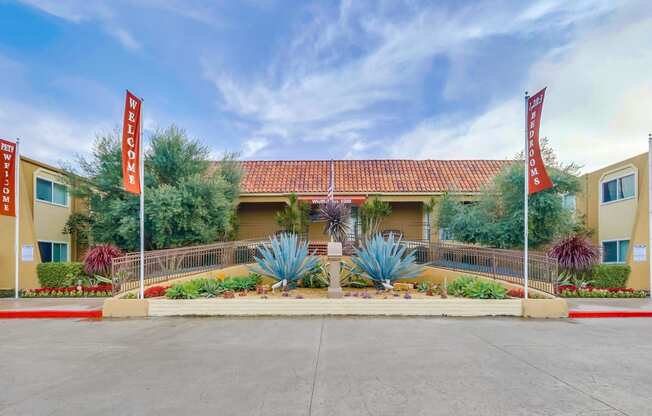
(538, 179)
(8, 179)
(131, 149)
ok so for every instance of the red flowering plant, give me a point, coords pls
(516, 293)
(155, 291)
(71, 291)
(571, 291)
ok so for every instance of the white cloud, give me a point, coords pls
(492, 135)
(253, 146)
(73, 10)
(341, 69)
(124, 38)
(47, 135)
(597, 108)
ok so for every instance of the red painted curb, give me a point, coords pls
(42, 314)
(610, 314)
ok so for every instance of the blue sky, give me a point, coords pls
(281, 79)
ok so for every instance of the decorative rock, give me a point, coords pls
(403, 286)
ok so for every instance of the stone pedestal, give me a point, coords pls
(334, 256)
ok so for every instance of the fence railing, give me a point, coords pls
(164, 265)
(506, 265)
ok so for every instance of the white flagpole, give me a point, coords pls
(649, 196)
(525, 211)
(17, 207)
(142, 204)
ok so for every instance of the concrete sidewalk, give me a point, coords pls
(585, 304)
(72, 304)
(34, 308)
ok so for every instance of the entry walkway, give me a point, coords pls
(51, 308)
(609, 308)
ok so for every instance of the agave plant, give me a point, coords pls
(286, 259)
(336, 215)
(385, 260)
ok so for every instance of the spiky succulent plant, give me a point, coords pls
(336, 215)
(285, 259)
(385, 260)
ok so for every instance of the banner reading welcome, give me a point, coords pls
(8, 181)
(131, 152)
(538, 179)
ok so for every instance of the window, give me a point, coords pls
(53, 252)
(569, 202)
(51, 192)
(619, 188)
(615, 251)
(445, 234)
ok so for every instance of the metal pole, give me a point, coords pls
(526, 192)
(142, 203)
(17, 207)
(649, 199)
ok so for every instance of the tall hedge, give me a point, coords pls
(59, 274)
(610, 275)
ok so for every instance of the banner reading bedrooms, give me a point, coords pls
(8, 184)
(538, 179)
(131, 153)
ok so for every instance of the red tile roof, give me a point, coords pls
(369, 176)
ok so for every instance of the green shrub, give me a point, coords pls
(610, 275)
(59, 274)
(471, 287)
(456, 287)
(481, 289)
(241, 283)
(316, 278)
(208, 288)
(187, 290)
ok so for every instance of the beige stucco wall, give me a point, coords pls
(50, 219)
(626, 219)
(406, 217)
(38, 221)
(256, 215)
(258, 219)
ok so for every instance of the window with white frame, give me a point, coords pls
(445, 234)
(569, 202)
(53, 252)
(51, 192)
(615, 251)
(619, 188)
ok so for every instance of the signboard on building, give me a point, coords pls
(640, 252)
(27, 252)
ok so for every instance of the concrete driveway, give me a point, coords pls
(177, 366)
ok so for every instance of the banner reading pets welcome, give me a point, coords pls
(538, 179)
(8, 178)
(131, 152)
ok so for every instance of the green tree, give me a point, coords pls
(295, 217)
(497, 218)
(372, 213)
(188, 200)
(428, 209)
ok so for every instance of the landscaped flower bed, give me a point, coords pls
(570, 291)
(68, 292)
